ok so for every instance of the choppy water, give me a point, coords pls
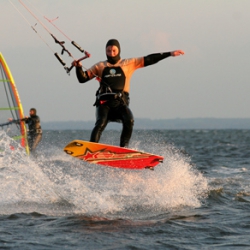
(199, 198)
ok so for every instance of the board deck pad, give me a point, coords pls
(112, 156)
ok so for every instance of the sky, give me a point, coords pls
(210, 81)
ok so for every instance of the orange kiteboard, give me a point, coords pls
(112, 156)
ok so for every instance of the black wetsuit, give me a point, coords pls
(34, 132)
(112, 102)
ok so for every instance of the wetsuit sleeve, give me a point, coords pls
(10, 122)
(22, 120)
(154, 58)
(81, 75)
(18, 120)
(5, 124)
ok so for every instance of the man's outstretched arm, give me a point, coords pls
(155, 58)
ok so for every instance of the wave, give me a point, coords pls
(56, 184)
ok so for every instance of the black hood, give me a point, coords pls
(34, 110)
(114, 59)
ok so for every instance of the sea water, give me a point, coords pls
(198, 198)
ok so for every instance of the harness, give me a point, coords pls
(35, 131)
(111, 92)
(111, 98)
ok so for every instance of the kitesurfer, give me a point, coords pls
(112, 97)
(35, 130)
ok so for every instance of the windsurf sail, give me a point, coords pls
(11, 106)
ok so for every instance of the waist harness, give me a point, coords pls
(112, 99)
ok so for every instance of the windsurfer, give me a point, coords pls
(35, 130)
(112, 97)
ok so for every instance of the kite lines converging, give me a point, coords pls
(61, 43)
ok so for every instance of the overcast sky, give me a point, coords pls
(212, 79)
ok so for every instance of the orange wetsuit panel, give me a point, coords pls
(128, 67)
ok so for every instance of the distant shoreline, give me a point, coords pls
(169, 124)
